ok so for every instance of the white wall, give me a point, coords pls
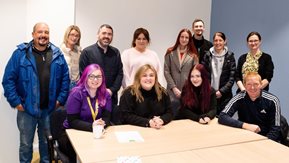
(162, 18)
(17, 20)
(58, 14)
(13, 27)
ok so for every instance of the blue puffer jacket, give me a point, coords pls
(21, 83)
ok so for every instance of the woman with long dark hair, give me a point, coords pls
(138, 55)
(179, 59)
(198, 99)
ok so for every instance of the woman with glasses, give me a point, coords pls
(72, 50)
(88, 102)
(255, 61)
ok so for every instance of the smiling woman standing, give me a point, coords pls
(72, 50)
(255, 61)
(146, 103)
(198, 98)
(221, 65)
(138, 55)
(179, 59)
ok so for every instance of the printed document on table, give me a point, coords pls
(128, 136)
(128, 159)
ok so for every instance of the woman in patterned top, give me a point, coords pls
(255, 61)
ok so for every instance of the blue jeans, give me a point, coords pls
(27, 125)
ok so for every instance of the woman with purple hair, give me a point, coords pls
(89, 102)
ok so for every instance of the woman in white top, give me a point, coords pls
(72, 50)
(138, 55)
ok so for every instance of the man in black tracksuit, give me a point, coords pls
(258, 110)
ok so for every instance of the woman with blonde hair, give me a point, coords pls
(146, 103)
(72, 50)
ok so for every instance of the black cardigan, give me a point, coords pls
(195, 114)
(266, 68)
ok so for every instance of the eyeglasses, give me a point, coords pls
(74, 35)
(253, 41)
(94, 77)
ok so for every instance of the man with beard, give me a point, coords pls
(108, 57)
(35, 82)
(202, 45)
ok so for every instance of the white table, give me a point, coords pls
(177, 136)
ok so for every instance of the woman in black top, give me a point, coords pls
(146, 103)
(198, 99)
(255, 61)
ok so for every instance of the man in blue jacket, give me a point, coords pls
(35, 82)
(258, 110)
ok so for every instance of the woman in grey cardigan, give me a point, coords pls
(179, 59)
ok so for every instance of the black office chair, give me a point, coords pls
(284, 131)
(56, 126)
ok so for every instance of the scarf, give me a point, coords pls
(252, 63)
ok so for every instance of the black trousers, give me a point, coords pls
(65, 146)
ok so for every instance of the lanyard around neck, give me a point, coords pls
(93, 113)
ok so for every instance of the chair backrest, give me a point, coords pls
(57, 118)
(284, 130)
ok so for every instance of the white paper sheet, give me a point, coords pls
(128, 136)
(128, 159)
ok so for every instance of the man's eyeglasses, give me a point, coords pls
(94, 77)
